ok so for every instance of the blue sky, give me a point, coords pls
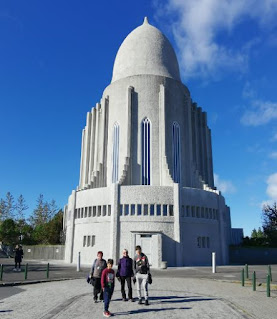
(56, 58)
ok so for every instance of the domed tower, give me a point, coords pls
(146, 173)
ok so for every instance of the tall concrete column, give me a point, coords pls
(177, 233)
(96, 137)
(87, 153)
(210, 159)
(92, 144)
(129, 131)
(204, 145)
(162, 133)
(82, 159)
(105, 146)
(114, 230)
(222, 231)
(70, 229)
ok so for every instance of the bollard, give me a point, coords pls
(79, 261)
(1, 272)
(26, 272)
(47, 271)
(242, 277)
(268, 286)
(254, 281)
(246, 271)
(214, 262)
(269, 272)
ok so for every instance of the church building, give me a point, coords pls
(146, 171)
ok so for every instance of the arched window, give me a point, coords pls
(176, 152)
(115, 152)
(145, 151)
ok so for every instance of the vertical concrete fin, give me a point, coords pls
(82, 159)
(105, 143)
(88, 144)
(96, 138)
(92, 145)
(165, 177)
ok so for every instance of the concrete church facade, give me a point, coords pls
(146, 173)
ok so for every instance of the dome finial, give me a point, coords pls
(145, 20)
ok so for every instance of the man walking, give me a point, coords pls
(98, 266)
(142, 269)
(125, 273)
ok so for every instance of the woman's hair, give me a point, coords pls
(138, 247)
(100, 252)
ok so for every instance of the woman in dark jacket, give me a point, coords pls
(18, 255)
(125, 273)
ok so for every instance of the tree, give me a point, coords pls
(260, 233)
(55, 229)
(2, 209)
(40, 213)
(254, 233)
(7, 207)
(52, 209)
(9, 233)
(20, 207)
(270, 223)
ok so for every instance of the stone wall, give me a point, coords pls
(44, 252)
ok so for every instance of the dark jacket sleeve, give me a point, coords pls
(147, 265)
(132, 263)
(92, 267)
(134, 267)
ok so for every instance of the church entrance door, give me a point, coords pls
(145, 241)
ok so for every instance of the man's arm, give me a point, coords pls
(92, 268)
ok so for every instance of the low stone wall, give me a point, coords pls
(253, 255)
(44, 252)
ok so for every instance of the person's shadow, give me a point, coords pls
(154, 301)
(132, 312)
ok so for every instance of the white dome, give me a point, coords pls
(146, 51)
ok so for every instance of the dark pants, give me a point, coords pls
(97, 289)
(129, 284)
(17, 261)
(108, 292)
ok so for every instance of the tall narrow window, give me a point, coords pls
(176, 152)
(145, 151)
(115, 152)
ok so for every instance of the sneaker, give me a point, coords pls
(19, 269)
(14, 269)
(124, 299)
(132, 299)
(140, 302)
(95, 300)
(146, 302)
(106, 314)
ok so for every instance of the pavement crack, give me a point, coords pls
(63, 306)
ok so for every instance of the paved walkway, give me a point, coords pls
(190, 292)
(169, 298)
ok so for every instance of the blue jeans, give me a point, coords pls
(108, 292)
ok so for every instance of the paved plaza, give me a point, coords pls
(175, 293)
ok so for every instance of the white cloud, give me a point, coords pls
(223, 185)
(272, 186)
(261, 112)
(273, 155)
(248, 92)
(274, 137)
(196, 25)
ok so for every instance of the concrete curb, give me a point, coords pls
(38, 281)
